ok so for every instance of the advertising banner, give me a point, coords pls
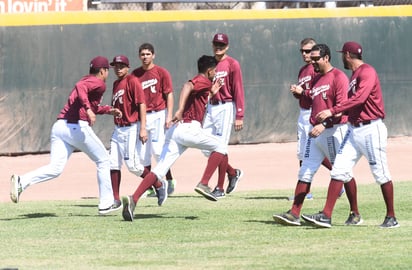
(36, 6)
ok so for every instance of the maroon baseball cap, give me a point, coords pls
(352, 47)
(120, 59)
(99, 62)
(221, 38)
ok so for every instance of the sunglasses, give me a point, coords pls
(315, 58)
(305, 51)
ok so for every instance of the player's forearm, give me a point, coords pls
(142, 114)
(169, 104)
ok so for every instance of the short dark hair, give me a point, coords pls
(147, 46)
(94, 71)
(205, 62)
(355, 56)
(323, 50)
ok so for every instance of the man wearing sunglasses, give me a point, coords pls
(367, 135)
(305, 77)
(329, 89)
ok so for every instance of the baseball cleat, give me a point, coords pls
(233, 181)
(218, 193)
(389, 223)
(318, 220)
(15, 188)
(287, 218)
(114, 207)
(205, 191)
(128, 208)
(162, 193)
(354, 219)
(171, 186)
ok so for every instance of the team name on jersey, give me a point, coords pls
(319, 90)
(118, 96)
(352, 86)
(149, 83)
(220, 74)
(305, 79)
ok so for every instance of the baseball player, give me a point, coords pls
(328, 89)
(227, 104)
(305, 77)
(158, 89)
(72, 130)
(129, 98)
(366, 136)
(187, 132)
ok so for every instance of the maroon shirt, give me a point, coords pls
(127, 95)
(86, 94)
(156, 83)
(232, 89)
(365, 96)
(195, 106)
(328, 90)
(305, 77)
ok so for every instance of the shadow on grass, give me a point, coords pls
(273, 223)
(149, 216)
(31, 216)
(267, 198)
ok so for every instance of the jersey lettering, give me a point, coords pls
(118, 96)
(305, 79)
(320, 89)
(150, 83)
(352, 86)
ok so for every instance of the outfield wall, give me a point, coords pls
(43, 55)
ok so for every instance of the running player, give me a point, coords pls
(129, 98)
(367, 136)
(227, 105)
(187, 132)
(158, 89)
(329, 89)
(72, 130)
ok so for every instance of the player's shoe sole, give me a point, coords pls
(15, 188)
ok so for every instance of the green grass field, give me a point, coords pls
(189, 232)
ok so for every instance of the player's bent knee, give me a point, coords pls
(136, 171)
(344, 177)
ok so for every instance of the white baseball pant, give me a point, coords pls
(183, 136)
(325, 145)
(65, 138)
(369, 141)
(123, 147)
(303, 129)
(218, 121)
(155, 127)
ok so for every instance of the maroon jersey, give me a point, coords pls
(86, 94)
(195, 107)
(305, 77)
(365, 100)
(328, 90)
(229, 70)
(127, 95)
(156, 83)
